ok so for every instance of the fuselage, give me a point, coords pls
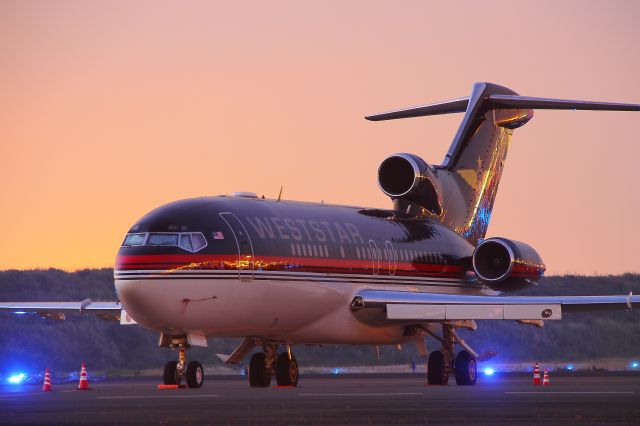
(238, 266)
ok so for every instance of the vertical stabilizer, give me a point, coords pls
(471, 171)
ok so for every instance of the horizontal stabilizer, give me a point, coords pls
(499, 101)
(526, 102)
(444, 107)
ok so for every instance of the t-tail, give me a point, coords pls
(461, 191)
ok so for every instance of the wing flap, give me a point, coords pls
(404, 305)
(476, 312)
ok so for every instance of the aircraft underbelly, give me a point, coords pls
(300, 311)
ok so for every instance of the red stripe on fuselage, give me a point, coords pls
(298, 264)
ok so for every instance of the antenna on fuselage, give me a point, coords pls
(280, 194)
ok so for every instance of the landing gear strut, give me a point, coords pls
(175, 371)
(441, 363)
(263, 365)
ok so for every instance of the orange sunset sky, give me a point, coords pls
(109, 109)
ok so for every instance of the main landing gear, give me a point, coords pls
(263, 365)
(442, 362)
(176, 371)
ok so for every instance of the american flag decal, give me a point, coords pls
(218, 235)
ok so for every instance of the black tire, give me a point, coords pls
(437, 374)
(259, 376)
(195, 374)
(287, 370)
(465, 369)
(171, 373)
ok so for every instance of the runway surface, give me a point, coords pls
(332, 400)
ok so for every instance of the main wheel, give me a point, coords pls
(259, 376)
(195, 374)
(437, 373)
(465, 369)
(287, 370)
(171, 373)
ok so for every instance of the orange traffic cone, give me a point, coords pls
(536, 374)
(47, 381)
(545, 379)
(84, 383)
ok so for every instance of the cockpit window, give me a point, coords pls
(162, 240)
(185, 242)
(189, 241)
(134, 240)
(198, 241)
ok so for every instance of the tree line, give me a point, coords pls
(29, 340)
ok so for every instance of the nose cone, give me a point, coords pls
(150, 304)
(142, 303)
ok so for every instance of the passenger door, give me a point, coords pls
(245, 263)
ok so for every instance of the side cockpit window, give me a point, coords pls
(198, 241)
(189, 241)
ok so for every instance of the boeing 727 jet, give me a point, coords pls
(279, 273)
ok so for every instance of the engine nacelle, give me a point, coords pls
(408, 177)
(507, 265)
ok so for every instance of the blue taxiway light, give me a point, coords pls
(19, 312)
(489, 371)
(16, 379)
(635, 364)
(570, 367)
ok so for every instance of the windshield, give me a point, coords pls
(189, 241)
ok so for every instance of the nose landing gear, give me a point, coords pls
(263, 365)
(175, 371)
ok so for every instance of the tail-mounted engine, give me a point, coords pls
(408, 177)
(507, 265)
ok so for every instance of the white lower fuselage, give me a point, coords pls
(279, 306)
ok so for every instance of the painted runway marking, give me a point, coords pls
(156, 396)
(361, 394)
(572, 392)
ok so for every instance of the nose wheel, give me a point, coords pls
(175, 371)
(287, 370)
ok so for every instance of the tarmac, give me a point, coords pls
(402, 399)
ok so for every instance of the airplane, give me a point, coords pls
(281, 273)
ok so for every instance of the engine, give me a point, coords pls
(507, 265)
(408, 177)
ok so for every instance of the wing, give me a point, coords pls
(401, 305)
(58, 310)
